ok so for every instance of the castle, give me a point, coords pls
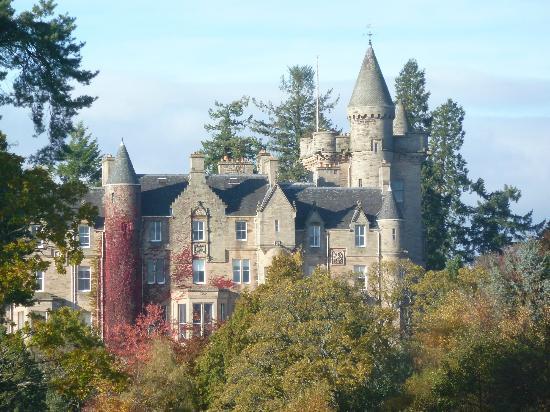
(192, 242)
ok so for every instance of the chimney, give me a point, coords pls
(196, 173)
(106, 168)
(268, 165)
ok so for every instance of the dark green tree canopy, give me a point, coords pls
(40, 63)
(410, 89)
(294, 118)
(81, 158)
(229, 134)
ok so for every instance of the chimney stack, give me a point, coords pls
(197, 173)
(106, 168)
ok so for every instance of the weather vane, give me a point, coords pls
(369, 33)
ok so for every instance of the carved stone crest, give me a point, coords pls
(199, 249)
(338, 257)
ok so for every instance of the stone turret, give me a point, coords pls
(121, 286)
(390, 222)
(371, 112)
(400, 124)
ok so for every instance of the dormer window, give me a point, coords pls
(39, 281)
(315, 235)
(360, 236)
(198, 230)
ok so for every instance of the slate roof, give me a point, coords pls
(243, 193)
(123, 170)
(95, 197)
(389, 209)
(335, 205)
(370, 88)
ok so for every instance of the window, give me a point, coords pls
(276, 225)
(83, 280)
(39, 281)
(198, 271)
(35, 230)
(202, 319)
(240, 230)
(360, 240)
(361, 272)
(398, 190)
(182, 319)
(20, 319)
(198, 230)
(155, 231)
(223, 313)
(375, 147)
(84, 235)
(155, 271)
(394, 234)
(315, 235)
(241, 270)
(360, 183)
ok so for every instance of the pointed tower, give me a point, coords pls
(121, 288)
(400, 124)
(370, 112)
(390, 222)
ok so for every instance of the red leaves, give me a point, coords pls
(221, 282)
(132, 343)
(182, 264)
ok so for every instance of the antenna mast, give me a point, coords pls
(317, 109)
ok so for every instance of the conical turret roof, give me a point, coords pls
(370, 88)
(123, 170)
(389, 209)
(400, 124)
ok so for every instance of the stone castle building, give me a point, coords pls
(192, 242)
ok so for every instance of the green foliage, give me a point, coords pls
(80, 160)
(40, 63)
(480, 334)
(444, 179)
(298, 340)
(21, 383)
(73, 358)
(162, 383)
(410, 89)
(293, 119)
(29, 196)
(227, 137)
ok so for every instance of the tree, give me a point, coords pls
(493, 224)
(30, 199)
(41, 59)
(480, 334)
(301, 341)
(73, 358)
(293, 119)
(227, 134)
(80, 160)
(444, 179)
(22, 386)
(410, 89)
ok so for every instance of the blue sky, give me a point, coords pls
(163, 64)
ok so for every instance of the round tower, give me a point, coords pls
(371, 113)
(390, 223)
(122, 275)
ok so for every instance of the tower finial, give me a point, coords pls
(369, 33)
(122, 141)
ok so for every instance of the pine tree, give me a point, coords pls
(293, 119)
(410, 89)
(81, 158)
(229, 134)
(444, 179)
(40, 63)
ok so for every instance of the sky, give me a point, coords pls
(163, 65)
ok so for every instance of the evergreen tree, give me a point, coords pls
(410, 89)
(22, 387)
(493, 224)
(40, 63)
(228, 134)
(293, 119)
(81, 158)
(444, 180)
